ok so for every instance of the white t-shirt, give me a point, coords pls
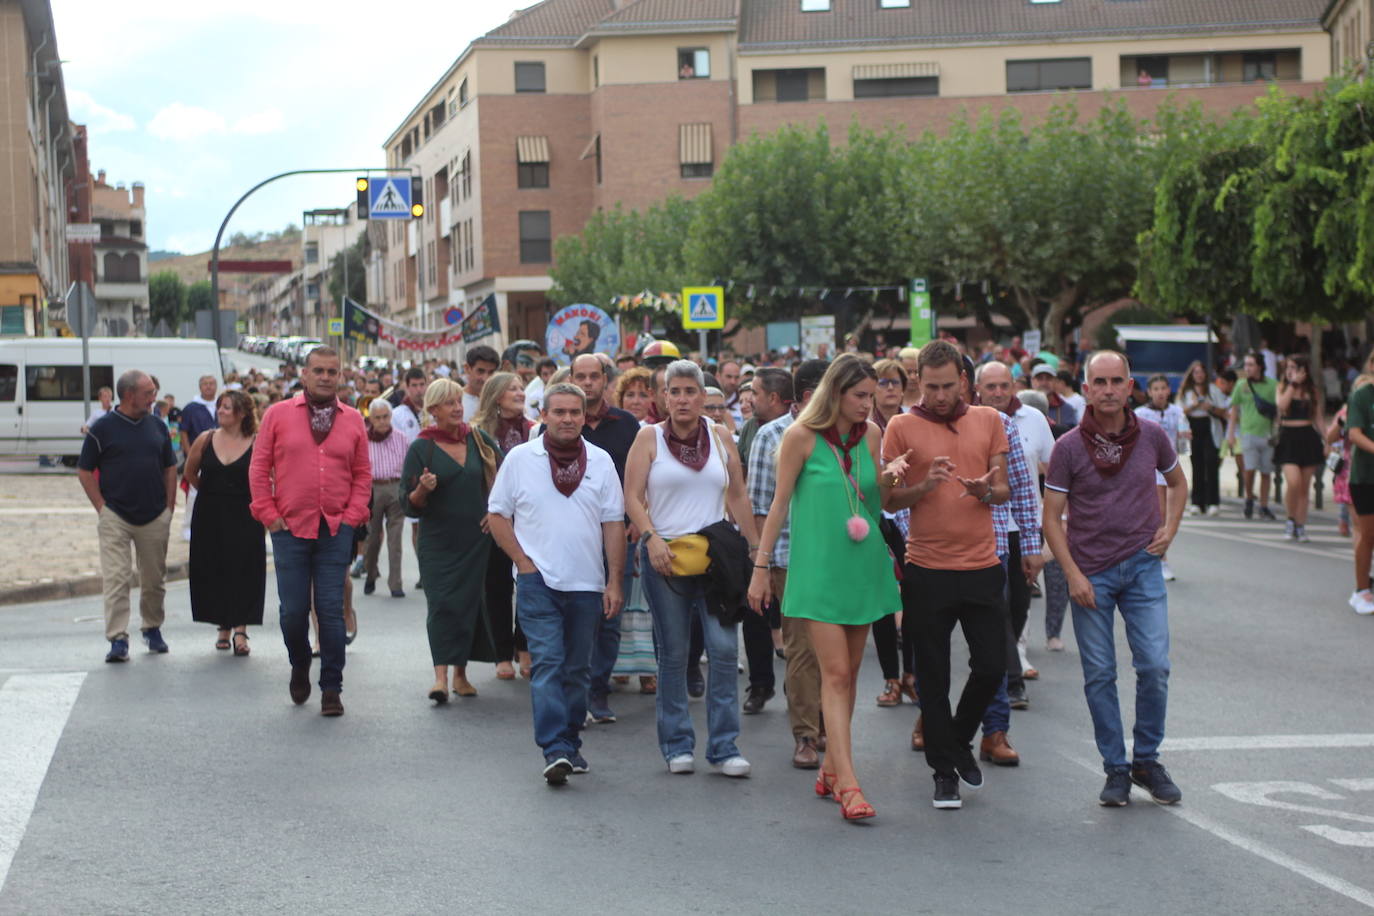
(470, 402)
(406, 422)
(1037, 440)
(561, 534)
(96, 414)
(1079, 404)
(534, 399)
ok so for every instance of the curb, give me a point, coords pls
(79, 587)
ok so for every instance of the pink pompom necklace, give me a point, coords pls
(856, 526)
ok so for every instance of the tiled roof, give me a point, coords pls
(770, 24)
(549, 22)
(644, 15)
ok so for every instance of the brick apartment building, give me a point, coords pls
(573, 106)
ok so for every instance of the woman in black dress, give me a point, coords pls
(228, 556)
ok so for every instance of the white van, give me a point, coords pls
(41, 411)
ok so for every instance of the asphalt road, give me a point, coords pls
(188, 783)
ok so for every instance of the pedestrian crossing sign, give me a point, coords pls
(703, 307)
(389, 198)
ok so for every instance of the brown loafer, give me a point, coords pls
(330, 703)
(918, 734)
(805, 757)
(998, 750)
(300, 684)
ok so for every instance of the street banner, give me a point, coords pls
(360, 324)
(369, 327)
(922, 316)
(818, 336)
(483, 321)
(578, 329)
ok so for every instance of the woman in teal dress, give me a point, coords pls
(841, 577)
(444, 484)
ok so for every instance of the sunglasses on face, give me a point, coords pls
(889, 383)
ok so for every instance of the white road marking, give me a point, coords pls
(1258, 793)
(33, 712)
(1361, 838)
(1277, 545)
(1267, 742)
(1254, 847)
(1356, 785)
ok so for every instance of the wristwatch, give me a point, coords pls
(986, 498)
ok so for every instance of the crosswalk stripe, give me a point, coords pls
(33, 712)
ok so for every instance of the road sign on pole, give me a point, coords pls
(389, 197)
(703, 307)
(336, 326)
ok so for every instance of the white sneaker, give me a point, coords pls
(735, 766)
(1194, 510)
(1054, 644)
(1168, 573)
(1362, 602)
(682, 763)
(1214, 510)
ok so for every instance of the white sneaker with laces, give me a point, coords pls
(1168, 573)
(735, 766)
(1362, 602)
(682, 763)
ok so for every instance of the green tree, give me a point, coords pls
(198, 298)
(356, 255)
(166, 299)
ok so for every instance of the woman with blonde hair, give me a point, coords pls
(501, 415)
(841, 577)
(444, 483)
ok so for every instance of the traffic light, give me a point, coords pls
(417, 197)
(363, 206)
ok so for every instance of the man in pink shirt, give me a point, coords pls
(311, 479)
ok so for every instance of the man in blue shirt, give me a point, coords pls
(134, 497)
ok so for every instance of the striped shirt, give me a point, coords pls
(387, 456)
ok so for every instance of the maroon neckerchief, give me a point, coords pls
(567, 463)
(845, 446)
(374, 436)
(879, 419)
(511, 431)
(953, 417)
(653, 416)
(692, 452)
(602, 411)
(1013, 405)
(1109, 451)
(321, 417)
(435, 434)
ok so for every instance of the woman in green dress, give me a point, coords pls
(841, 577)
(444, 483)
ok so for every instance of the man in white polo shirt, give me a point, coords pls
(557, 510)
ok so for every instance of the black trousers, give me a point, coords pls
(933, 601)
(886, 642)
(758, 645)
(1018, 606)
(500, 594)
(1206, 464)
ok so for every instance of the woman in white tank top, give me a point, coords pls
(680, 477)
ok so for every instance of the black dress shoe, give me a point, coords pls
(753, 704)
(369, 586)
(696, 683)
(300, 684)
(397, 593)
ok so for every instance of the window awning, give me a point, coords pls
(695, 144)
(896, 71)
(591, 147)
(531, 149)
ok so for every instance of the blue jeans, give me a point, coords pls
(1136, 587)
(674, 606)
(317, 567)
(559, 627)
(997, 718)
(607, 646)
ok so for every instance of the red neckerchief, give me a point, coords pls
(692, 452)
(374, 436)
(435, 434)
(321, 417)
(602, 411)
(653, 416)
(1109, 451)
(511, 431)
(953, 417)
(845, 446)
(567, 463)
(879, 419)
(1013, 405)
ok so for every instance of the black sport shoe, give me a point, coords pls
(696, 682)
(1016, 697)
(1249, 507)
(1117, 792)
(966, 765)
(753, 704)
(1153, 778)
(1267, 513)
(369, 586)
(580, 765)
(556, 773)
(946, 793)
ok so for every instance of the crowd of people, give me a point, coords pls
(620, 518)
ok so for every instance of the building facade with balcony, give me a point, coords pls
(325, 235)
(575, 106)
(120, 259)
(36, 156)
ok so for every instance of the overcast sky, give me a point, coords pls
(200, 102)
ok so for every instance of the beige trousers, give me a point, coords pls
(802, 679)
(388, 514)
(150, 546)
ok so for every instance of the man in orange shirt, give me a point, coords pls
(956, 472)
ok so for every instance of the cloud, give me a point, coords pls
(97, 118)
(185, 122)
(269, 121)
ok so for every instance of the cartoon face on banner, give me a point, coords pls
(579, 329)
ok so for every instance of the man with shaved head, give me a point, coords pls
(1103, 473)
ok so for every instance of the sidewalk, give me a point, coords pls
(48, 543)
